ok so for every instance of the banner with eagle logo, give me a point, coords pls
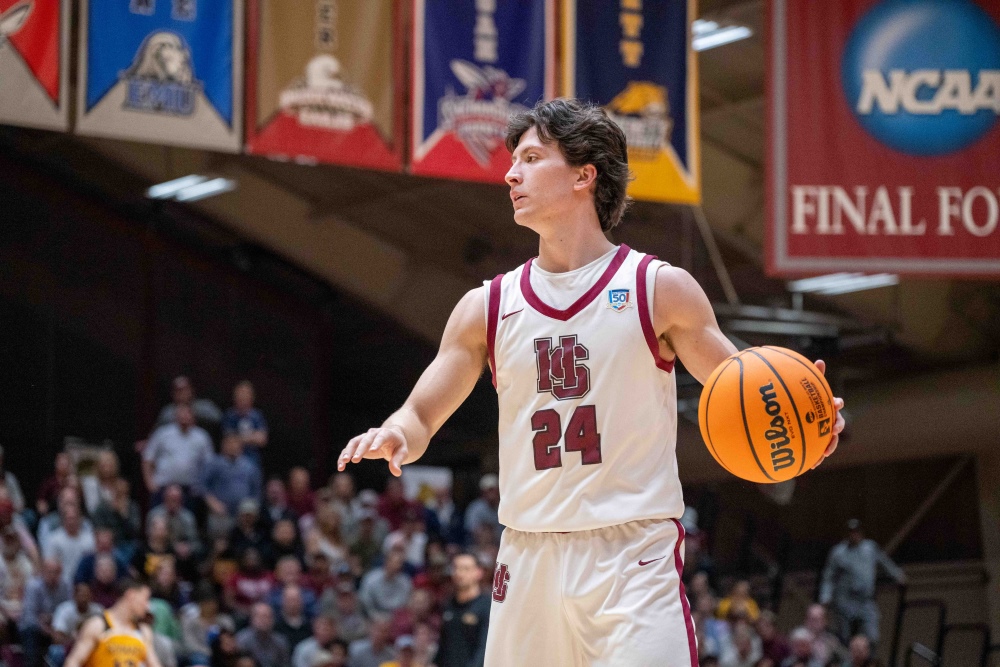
(162, 71)
(34, 62)
(324, 81)
(634, 58)
(476, 62)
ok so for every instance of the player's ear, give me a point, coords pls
(585, 177)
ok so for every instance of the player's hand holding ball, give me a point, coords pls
(767, 414)
(387, 442)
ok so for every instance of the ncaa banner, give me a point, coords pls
(163, 71)
(634, 58)
(476, 62)
(883, 137)
(34, 62)
(324, 81)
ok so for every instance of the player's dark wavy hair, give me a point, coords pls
(585, 135)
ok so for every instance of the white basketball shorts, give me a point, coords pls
(610, 597)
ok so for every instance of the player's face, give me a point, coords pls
(139, 602)
(543, 186)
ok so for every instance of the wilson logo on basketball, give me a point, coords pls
(777, 435)
(500, 579)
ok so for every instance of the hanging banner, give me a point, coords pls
(163, 71)
(634, 58)
(476, 62)
(34, 61)
(883, 137)
(324, 81)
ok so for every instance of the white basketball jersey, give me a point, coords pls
(588, 409)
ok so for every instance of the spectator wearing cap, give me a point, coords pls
(206, 413)
(482, 512)
(181, 523)
(411, 538)
(176, 454)
(376, 649)
(466, 618)
(387, 588)
(246, 422)
(324, 634)
(848, 584)
(260, 640)
(228, 479)
(43, 593)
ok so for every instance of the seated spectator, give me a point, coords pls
(367, 544)
(43, 594)
(801, 641)
(745, 649)
(860, 653)
(70, 542)
(485, 543)
(320, 577)
(446, 520)
(698, 586)
(260, 640)
(15, 564)
(292, 620)
(66, 621)
(123, 518)
(774, 646)
(435, 578)
(406, 654)
(181, 523)
(483, 510)
(154, 549)
(48, 492)
(716, 631)
(419, 609)
(335, 657)
(225, 651)
(285, 542)
(738, 605)
(249, 585)
(247, 534)
(425, 645)
(826, 646)
(301, 499)
(166, 586)
(201, 621)
(411, 538)
(325, 536)
(288, 572)
(104, 543)
(376, 649)
(393, 505)
(176, 454)
(387, 588)
(247, 423)
(206, 413)
(276, 503)
(104, 584)
(221, 563)
(9, 482)
(324, 634)
(344, 607)
(343, 496)
(48, 524)
(228, 479)
(100, 487)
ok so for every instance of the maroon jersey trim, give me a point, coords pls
(583, 301)
(642, 304)
(688, 621)
(491, 325)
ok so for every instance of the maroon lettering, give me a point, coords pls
(582, 435)
(500, 578)
(560, 370)
(548, 430)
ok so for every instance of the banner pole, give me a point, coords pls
(721, 272)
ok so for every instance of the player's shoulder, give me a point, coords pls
(94, 625)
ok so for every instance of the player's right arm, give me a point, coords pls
(443, 386)
(86, 641)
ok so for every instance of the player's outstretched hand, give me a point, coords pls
(838, 425)
(386, 442)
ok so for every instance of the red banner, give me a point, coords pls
(34, 81)
(884, 137)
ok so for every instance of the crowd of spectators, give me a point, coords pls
(246, 569)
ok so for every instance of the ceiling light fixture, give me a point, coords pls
(191, 188)
(842, 283)
(709, 34)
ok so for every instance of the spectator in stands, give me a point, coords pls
(225, 651)
(246, 422)
(446, 520)
(48, 492)
(276, 503)
(104, 543)
(385, 589)
(425, 645)
(324, 634)
(716, 631)
(739, 605)
(70, 542)
(43, 594)
(411, 538)
(250, 584)
(482, 512)
(66, 621)
(484, 544)
(15, 564)
(301, 499)
(393, 505)
(435, 579)
(167, 587)
(343, 496)
(288, 573)
(181, 523)
(366, 546)
(104, 585)
(419, 609)
(374, 650)
(154, 549)
(699, 585)
(745, 649)
(246, 533)
(826, 646)
(320, 577)
(406, 654)
(200, 622)
(801, 641)
(860, 653)
(228, 479)
(346, 610)
(9, 481)
(100, 487)
(465, 621)
(47, 525)
(325, 535)
(292, 621)
(848, 586)
(285, 542)
(123, 517)
(206, 413)
(774, 645)
(176, 454)
(335, 657)
(260, 640)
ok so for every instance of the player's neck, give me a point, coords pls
(569, 247)
(119, 616)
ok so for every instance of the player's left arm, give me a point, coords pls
(686, 327)
(152, 660)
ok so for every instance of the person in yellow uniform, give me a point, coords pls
(118, 637)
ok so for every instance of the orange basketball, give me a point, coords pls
(766, 414)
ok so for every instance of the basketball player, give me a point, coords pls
(581, 342)
(118, 637)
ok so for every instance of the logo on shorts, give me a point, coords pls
(500, 578)
(618, 300)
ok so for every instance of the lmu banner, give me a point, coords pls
(634, 58)
(476, 62)
(324, 81)
(163, 71)
(884, 137)
(34, 79)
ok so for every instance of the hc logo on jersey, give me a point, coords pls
(618, 300)
(560, 370)
(500, 578)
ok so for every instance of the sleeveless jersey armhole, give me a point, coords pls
(493, 314)
(645, 306)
